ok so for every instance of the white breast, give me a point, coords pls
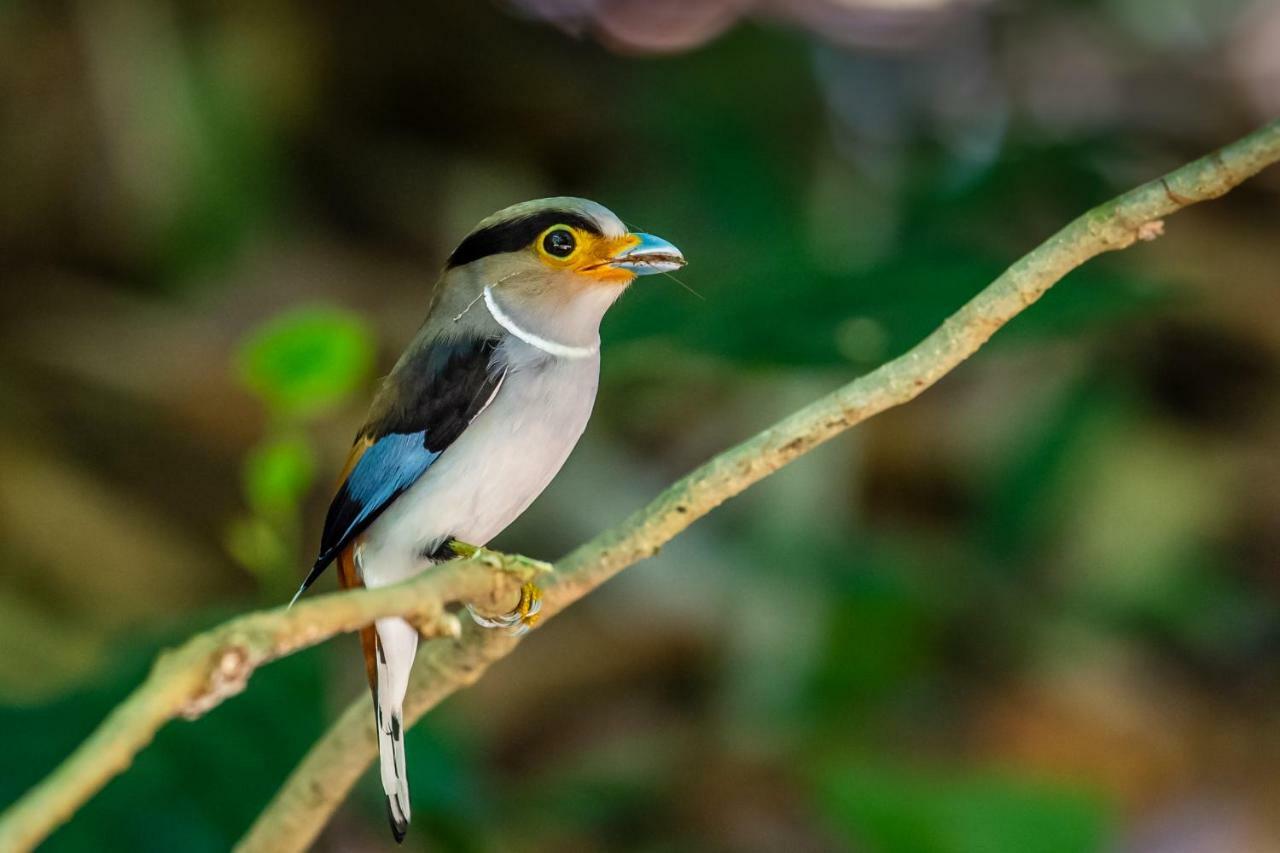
(495, 469)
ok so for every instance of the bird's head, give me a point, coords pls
(567, 242)
(556, 261)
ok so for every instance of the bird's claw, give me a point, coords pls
(518, 621)
(525, 615)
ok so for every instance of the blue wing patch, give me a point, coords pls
(384, 472)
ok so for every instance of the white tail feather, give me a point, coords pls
(397, 645)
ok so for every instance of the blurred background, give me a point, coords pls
(1035, 610)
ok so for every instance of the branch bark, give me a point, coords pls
(216, 664)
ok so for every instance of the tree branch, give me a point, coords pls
(198, 675)
(216, 664)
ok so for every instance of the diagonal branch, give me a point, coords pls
(216, 664)
(320, 783)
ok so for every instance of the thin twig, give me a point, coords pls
(216, 664)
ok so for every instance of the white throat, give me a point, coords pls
(550, 347)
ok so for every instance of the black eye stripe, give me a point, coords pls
(514, 235)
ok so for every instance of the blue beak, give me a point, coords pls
(651, 255)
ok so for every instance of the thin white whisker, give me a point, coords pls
(480, 296)
(468, 308)
(685, 286)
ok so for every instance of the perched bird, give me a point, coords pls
(476, 418)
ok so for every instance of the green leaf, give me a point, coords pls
(307, 361)
(277, 475)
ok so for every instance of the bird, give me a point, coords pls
(474, 421)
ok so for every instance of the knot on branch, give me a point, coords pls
(1119, 232)
(436, 624)
(228, 676)
(1149, 231)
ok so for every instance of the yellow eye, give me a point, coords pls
(559, 242)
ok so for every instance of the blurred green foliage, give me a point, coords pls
(1034, 611)
(299, 365)
(885, 808)
(277, 475)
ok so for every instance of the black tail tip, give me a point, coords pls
(398, 827)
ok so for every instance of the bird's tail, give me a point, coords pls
(397, 643)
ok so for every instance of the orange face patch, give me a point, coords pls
(565, 247)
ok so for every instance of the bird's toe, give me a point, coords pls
(518, 621)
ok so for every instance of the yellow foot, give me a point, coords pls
(525, 615)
